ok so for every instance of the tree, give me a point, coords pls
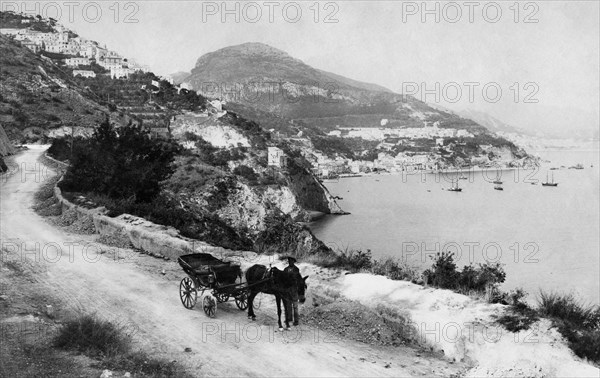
(124, 163)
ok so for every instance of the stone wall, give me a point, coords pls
(154, 239)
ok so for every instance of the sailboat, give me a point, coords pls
(497, 181)
(454, 187)
(548, 183)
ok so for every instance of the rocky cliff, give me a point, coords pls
(227, 176)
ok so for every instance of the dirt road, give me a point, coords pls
(77, 274)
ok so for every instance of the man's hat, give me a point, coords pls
(291, 259)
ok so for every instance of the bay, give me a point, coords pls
(546, 237)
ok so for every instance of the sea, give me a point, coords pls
(547, 238)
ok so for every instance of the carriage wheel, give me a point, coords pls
(209, 303)
(241, 301)
(188, 293)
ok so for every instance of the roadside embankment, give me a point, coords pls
(464, 329)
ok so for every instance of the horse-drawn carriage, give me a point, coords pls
(216, 280)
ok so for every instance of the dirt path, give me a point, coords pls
(132, 289)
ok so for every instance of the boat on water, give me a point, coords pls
(577, 166)
(498, 187)
(454, 188)
(497, 182)
(550, 183)
(463, 177)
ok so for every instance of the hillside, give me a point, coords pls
(342, 117)
(221, 189)
(273, 81)
(38, 98)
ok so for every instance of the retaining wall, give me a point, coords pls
(154, 239)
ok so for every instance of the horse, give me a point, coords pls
(275, 282)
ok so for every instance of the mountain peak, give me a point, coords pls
(255, 48)
(250, 50)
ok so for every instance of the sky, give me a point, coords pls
(531, 64)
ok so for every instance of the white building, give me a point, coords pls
(9, 31)
(464, 134)
(119, 72)
(84, 73)
(77, 61)
(276, 157)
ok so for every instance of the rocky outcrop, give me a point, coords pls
(310, 193)
(247, 208)
(208, 128)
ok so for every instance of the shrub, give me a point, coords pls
(124, 165)
(348, 259)
(567, 308)
(246, 172)
(20, 116)
(577, 322)
(90, 335)
(484, 277)
(394, 270)
(61, 148)
(443, 272)
(518, 315)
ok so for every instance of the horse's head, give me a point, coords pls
(302, 286)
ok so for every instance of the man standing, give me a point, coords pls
(292, 301)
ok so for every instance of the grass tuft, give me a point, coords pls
(92, 336)
(568, 309)
(579, 323)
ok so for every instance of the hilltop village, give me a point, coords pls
(77, 52)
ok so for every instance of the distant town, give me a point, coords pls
(82, 52)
